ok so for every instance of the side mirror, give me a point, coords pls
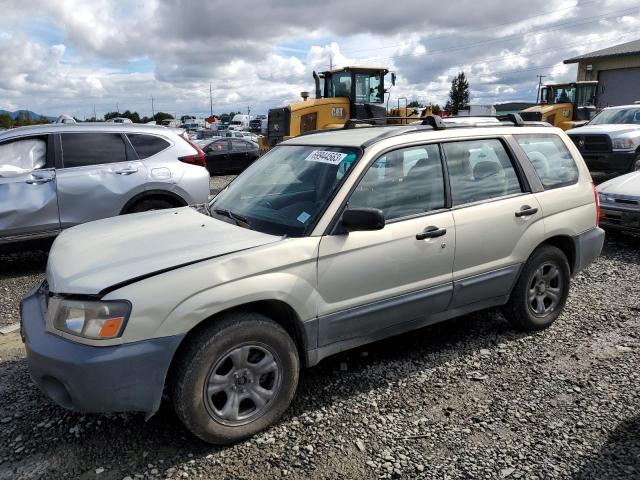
(363, 219)
(393, 78)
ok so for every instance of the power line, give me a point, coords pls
(457, 34)
(559, 26)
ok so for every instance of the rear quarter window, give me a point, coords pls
(147, 145)
(551, 159)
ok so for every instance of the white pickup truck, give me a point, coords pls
(610, 142)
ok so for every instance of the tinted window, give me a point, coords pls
(219, 146)
(551, 159)
(79, 149)
(239, 145)
(147, 145)
(480, 170)
(402, 183)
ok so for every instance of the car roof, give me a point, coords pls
(84, 127)
(365, 136)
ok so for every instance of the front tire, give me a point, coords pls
(235, 378)
(541, 291)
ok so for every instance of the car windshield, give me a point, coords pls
(286, 190)
(617, 115)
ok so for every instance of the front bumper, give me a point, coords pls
(619, 162)
(128, 377)
(620, 218)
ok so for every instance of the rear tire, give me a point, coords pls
(235, 378)
(151, 204)
(541, 290)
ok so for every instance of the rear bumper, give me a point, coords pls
(588, 246)
(621, 162)
(128, 377)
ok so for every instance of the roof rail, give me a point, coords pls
(434, 121)
(515, 118)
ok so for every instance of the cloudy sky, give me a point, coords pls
(65, 56)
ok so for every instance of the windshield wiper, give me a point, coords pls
(239, 219)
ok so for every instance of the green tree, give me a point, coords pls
(436, 109)
(459, 93)
(414, 104)
(6, 121)
(158, 117)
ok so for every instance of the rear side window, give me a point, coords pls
(239, 145)
(550, 158)
(82, 149)
(480, 170)
(147, 145)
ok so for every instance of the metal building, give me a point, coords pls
(617, 70)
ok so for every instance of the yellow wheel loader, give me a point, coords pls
(346, 93)
(564, 105)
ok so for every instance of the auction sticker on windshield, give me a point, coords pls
(334, 158)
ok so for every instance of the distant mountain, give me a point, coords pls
(28, 113)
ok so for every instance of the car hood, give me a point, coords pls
(94, 256)
(612, 129)
(627, 185)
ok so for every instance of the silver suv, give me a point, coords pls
(56, 176)
(329, 241)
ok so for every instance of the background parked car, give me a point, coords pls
(230, 155)
(611, 141)
(59, 175)
(620, 202)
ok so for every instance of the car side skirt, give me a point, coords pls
(357, 326)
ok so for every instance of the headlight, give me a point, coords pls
(88, 318)
(624, 143)
(604, 198)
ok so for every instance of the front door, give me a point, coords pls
(99, 175)
(28, 202)
(496, 219)
(378, 280)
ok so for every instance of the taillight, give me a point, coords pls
(595, 194)
(197, 159)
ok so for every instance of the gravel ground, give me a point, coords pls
(470, 398)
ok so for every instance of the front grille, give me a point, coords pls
(592, 143)
(278, 124)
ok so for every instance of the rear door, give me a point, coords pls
(100, 173)
(240, 154)
(28, 203)
(498, 220)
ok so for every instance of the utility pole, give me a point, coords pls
(153, 112)
(248, 110)
(330, 61)
(94, 113)
(540, 77)
(117, 107)
(210, 99)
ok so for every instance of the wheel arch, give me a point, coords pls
(567, 245)
(277, 310)
(172, 197)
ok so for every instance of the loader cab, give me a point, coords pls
(360, 85)
(581, 96)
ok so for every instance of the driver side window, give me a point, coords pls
(23, 156)
(403, 183)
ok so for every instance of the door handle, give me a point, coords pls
(125, 171)
(38, 180)
(431, 232)
(526, 211)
